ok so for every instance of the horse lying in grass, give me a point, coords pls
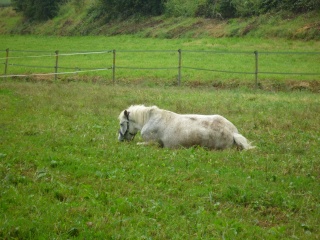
(173, 130)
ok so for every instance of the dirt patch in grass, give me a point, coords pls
(273, 86)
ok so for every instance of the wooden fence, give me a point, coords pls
(12, 58)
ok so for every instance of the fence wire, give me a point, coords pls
(218, 52)
(220, 71)
(147, 68)
(291, 53)
(28, 66)
(53, 54)
(53, 74)
(290, 73)
(78, 69)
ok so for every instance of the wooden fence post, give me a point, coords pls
(179, 67)
(257, 67)
(114, 66)
(56, 66)
(6, 64)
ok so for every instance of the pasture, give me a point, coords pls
(64, 175)
(224, 63)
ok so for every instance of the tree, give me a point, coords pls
(300, 5)
(126, 8)
(37, 10)
(216, 9)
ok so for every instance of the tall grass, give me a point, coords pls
(64, 175)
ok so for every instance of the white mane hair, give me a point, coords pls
(140, 113)
(173, 130)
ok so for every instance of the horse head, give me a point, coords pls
(127, 131)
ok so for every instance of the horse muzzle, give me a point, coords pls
(120, 137)
(126, 137)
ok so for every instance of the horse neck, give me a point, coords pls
(141, 115)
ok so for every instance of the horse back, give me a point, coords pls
(212, 131)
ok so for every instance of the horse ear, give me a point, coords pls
(126, 114)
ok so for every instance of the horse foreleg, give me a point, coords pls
(150, 143)
(150, 136)
(143, 143)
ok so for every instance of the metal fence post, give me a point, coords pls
(56, 66)
(257, 67)
(179, 67)
(6, 63)
(114, 66)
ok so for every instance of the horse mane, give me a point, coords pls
(140, 113)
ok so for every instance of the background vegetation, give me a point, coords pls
(5, 3)
(45, 9)
(39, 10)
(165, 19)
(123, 9)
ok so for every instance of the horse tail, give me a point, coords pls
(241, 142)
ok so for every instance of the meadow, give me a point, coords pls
(64, 174)
(155, 61)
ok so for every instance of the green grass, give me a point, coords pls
(64, 175)
(127, 56)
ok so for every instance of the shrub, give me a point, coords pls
(240, 8)
(39, 10)
(178, 8)
(216, 9)
(247, 8)
(5, 3)
(126, 8)
(300, 5)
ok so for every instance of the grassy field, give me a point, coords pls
(204, 53)
(63, 174)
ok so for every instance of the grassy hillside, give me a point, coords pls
(75, 18)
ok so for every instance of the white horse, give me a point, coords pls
(173, 130)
